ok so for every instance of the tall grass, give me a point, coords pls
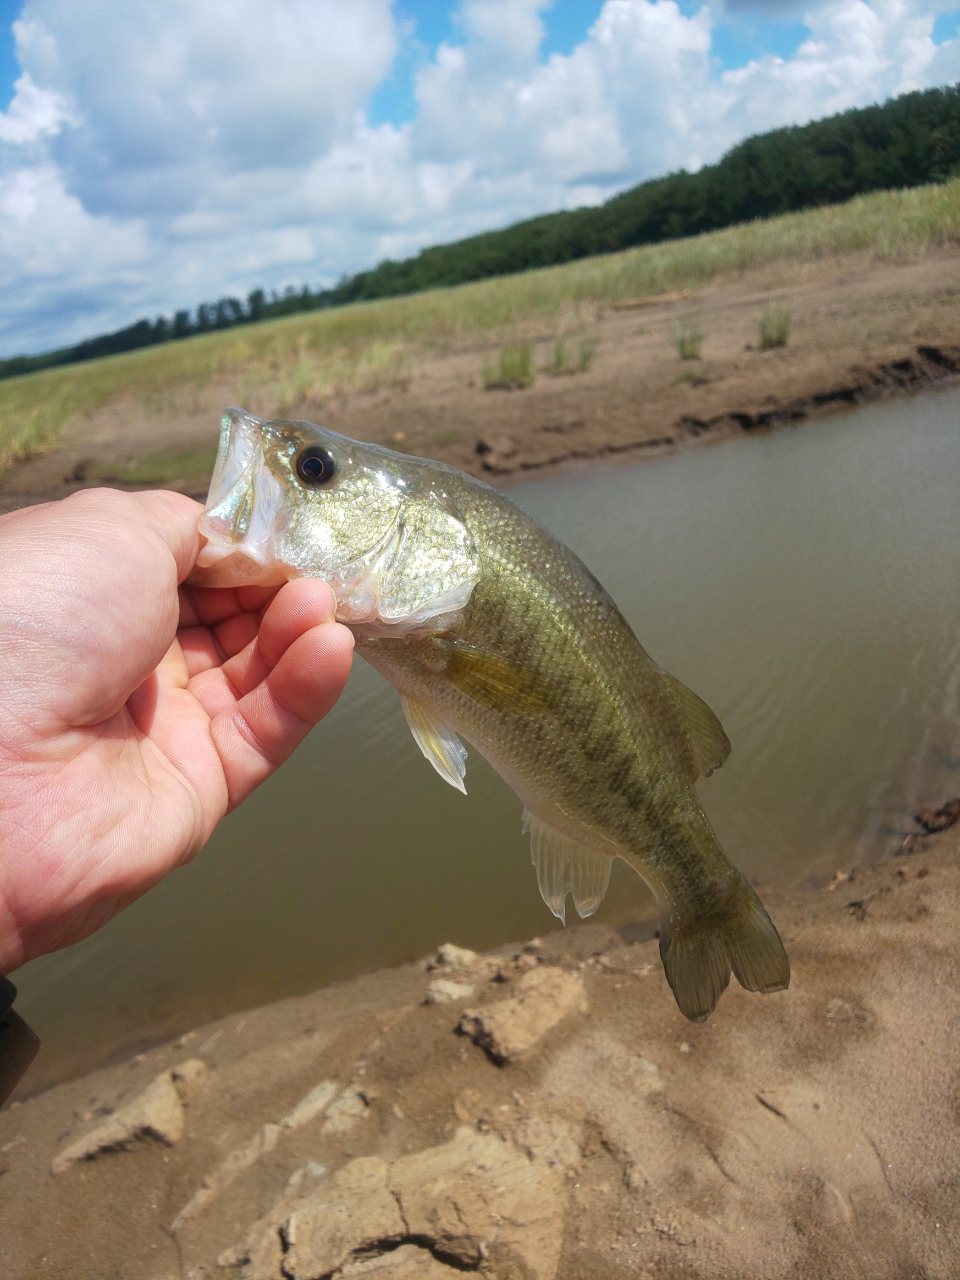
(304, 353)
(560, 358)
(564, 359)
(311, 376)
(513, 368)
(774, 326)
(586, 350)
(688, 337)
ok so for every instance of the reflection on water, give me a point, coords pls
(805, 583)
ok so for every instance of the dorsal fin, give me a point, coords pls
(710, 743)
(566, 866)
(439, 744)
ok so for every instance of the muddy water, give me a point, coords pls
(805, 583)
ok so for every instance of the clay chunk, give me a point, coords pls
(545, 996)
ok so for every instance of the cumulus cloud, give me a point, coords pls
(163, 152)
(61, 266)
(171, 94)
(34, 113)
(858, 53)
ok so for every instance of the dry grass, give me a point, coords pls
(565, 358)
(688, 337)
(774, 326)
(512, 369)
(284, 363)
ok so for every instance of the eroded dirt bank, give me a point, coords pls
(860, 330)
(549, 1115)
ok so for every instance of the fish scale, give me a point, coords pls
(493, 631)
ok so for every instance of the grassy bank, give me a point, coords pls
(373, 344)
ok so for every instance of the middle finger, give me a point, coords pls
(234, 634)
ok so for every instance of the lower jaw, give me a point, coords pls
(237, 570)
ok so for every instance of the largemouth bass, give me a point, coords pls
(493, 631)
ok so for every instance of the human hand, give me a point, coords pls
(133, 717)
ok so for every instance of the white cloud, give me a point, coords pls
(504, 31)
(169, 94)
(55, 259)
(34, 113)
(858, 53)
(172, 150)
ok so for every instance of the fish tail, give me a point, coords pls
(698, 954)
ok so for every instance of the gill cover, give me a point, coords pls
(379, 528)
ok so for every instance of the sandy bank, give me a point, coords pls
(810, 1133)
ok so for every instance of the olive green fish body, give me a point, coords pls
(493, 630)
(580, 721)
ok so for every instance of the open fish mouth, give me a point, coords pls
(394, 557)
(244, 510)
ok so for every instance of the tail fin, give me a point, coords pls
(697, 958)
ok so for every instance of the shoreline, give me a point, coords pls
(882, 383)
(787, 1132)
(860, 332)
(929, 368)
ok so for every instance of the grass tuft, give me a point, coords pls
(774, 326)
(586, 350)
(688, 337)
(189, 467)
(513, 369)
(560, 359)
(565, 360)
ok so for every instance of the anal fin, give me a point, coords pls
(439, 744)
(566, 866)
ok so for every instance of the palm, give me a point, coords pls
(132, 719)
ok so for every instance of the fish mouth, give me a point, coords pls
(244, 506)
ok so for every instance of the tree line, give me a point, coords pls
(906, 142)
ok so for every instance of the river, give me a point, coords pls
(806, 583)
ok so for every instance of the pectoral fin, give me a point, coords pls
(491, 679)
(710, 743)
(566, 866)
(439, 744)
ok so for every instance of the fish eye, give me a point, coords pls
(316, 465)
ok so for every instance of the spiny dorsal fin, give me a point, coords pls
(491, 679)
(710, 743)
(566, 866)
(439, 744)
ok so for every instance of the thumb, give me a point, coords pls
(174, 517)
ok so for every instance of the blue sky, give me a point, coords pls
(164, 152)
(9, 67)
(426, 23)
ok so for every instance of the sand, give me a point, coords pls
(809, 1133)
